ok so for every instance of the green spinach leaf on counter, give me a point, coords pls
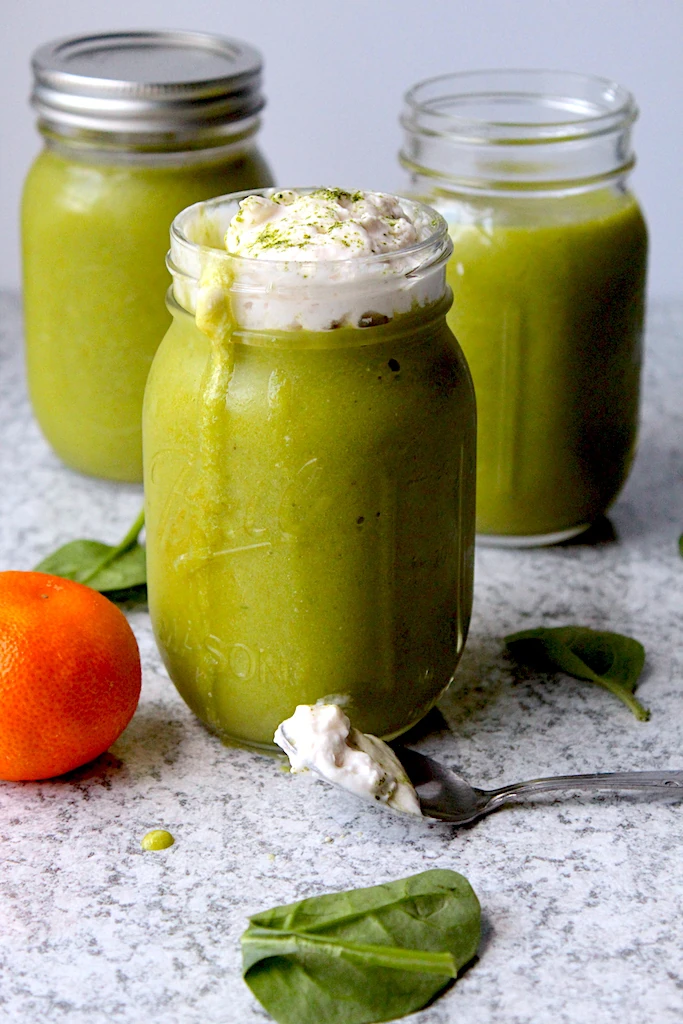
(118, 571)
(365, 955)
(680, 545)
(608, 659)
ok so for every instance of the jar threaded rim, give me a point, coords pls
(146, 85)
(513, 129)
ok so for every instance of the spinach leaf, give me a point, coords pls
(608, 659)
(680, 545)
(119, 571)
(364, 955)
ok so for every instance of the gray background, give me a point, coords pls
(336, 71)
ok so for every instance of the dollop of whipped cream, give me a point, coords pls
(320, 738)
(313, 261)
(326, 224)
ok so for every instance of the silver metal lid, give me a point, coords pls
(146, 84)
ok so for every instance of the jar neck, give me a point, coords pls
(446, 196)
(303, 295)
(497, 133)
(153, 151)
(410, 327)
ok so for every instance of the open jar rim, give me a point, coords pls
(525, 106)
(202, 227)
(517, 132)
(315, 295)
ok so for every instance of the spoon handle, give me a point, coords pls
(607, 781)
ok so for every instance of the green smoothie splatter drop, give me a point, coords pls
(157, 839)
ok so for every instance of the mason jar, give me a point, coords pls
(309, 483)
(136, 126)
(530, 169)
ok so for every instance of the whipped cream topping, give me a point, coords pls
(326, 224)
(320, 737)
(309, 260)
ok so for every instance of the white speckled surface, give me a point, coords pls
(582, 897)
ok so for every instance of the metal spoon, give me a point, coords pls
(444, 795)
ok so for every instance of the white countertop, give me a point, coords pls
(582, 897)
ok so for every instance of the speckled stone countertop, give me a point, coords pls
(582, 897)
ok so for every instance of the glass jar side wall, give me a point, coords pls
(549, 300)
(318, 540)
(95, 234)
(529, 168)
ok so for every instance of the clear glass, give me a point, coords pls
(95, 220)
(530, 170)
(309, 493)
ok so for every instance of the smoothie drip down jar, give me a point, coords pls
(309, 481)
(530, 170)
(136, 126)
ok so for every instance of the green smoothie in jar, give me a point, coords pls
(548, 278)
(137, 126)
(309, 446)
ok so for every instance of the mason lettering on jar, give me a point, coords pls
(309, 441)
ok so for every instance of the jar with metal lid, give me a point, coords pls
(136, 126)
(530, 169)
(309, 442)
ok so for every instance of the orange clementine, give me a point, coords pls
(69, 675)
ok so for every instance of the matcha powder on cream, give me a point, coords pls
(359, 247)
(327, 224)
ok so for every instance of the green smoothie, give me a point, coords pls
(310, 519)
(157, 839)
(94, 237)
(548, 307)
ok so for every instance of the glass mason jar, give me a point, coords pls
(136, 125)
(530, 170)
(309, 488)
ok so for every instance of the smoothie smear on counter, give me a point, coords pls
(157, 839)
(320, 738)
